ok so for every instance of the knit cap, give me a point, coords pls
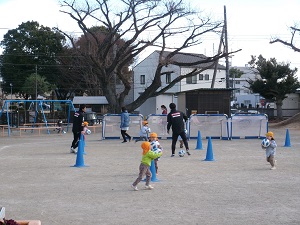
(270, 134)
(153, 135)
(145, 146)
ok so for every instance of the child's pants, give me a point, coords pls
(144, 169)
(141, 138)
(271, 160)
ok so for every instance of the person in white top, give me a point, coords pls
(145, 130)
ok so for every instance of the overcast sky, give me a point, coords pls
(251, 24)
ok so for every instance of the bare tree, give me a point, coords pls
(292, 42)
(142, 24)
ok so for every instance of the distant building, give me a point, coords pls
(96, 104)
(145, 70)
(242, 96)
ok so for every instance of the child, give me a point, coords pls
(60, 128)
(144, 168)
(155, 147)
(271, 150)
(86, 130)
(145, 130)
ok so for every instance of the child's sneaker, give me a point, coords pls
(273, 168)
(149, 187)
(134, 188)
(172, 155)
(188, 152)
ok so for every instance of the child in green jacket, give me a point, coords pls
(144, 168)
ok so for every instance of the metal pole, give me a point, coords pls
(36, 81)
(36, 92)
(11, 85)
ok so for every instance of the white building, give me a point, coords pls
(242, 95)
(144, 73)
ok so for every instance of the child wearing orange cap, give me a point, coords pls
(271, 150)
(155, 147)
(86, 130)
(145, 130)
(144, 168)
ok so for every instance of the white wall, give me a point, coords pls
(220, 81)
(164, 100)
(291, 102)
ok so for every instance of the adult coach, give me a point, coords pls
(175, 120)
(77, 129)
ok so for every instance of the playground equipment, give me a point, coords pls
(34, 108)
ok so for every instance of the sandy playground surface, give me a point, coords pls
(37, 181)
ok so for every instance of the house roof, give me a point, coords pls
(187, 58)
(90, 100)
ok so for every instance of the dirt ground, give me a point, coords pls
(38, 181)
(290, 123)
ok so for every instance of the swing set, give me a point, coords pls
(35, 112)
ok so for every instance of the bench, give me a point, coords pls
(38, 124)
(3, 127)
(36, 128)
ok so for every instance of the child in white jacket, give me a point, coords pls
(145, 130)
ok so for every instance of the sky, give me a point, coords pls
(250, 24)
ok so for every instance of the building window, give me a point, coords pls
(206, 76)
(168, 78)
(247, 102)
(191, 80)
(142, 79)
(237, 82)
(200, 76)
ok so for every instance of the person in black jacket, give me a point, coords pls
(175, 120)
(77, 129)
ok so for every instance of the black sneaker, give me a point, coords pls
(172, 155)
(188, 152)
(124, 141)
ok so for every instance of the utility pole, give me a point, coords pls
(226, 48)
(217, 62)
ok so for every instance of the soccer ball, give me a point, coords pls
(265, 143)
(181, 153)
(88, 132)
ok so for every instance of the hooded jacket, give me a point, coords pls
(125, 119)
(148, 155)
